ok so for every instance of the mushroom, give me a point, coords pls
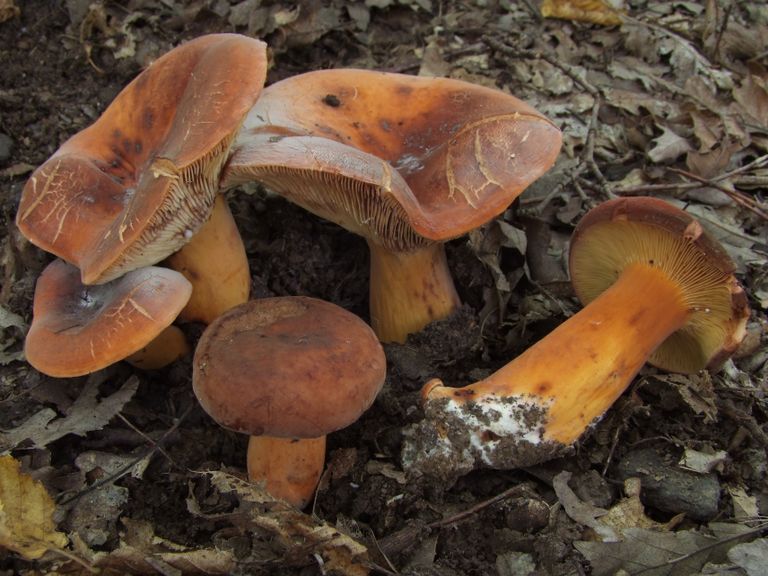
(407, 162)
(135, 186)
(287, 371)
(216, 265)
(657, 289)
(78, 329)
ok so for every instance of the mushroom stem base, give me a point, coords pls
(289, 467)
(409, 290)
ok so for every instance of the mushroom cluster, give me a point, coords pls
(137, 186)
(657, 289)
(406, 162)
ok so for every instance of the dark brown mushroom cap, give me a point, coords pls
(134, 187)
(644, 230)
(78, 329)
(463, 151)
(287, 367)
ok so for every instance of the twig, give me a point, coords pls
(721, 33)
(125, 469)
(740, 198)
(148, 439)
(518, 490)
(744, 419)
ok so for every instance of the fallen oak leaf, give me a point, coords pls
(141, 551)
(592, 11)
(26, 513)
(295, 531)
(88, 413)
(581, 511)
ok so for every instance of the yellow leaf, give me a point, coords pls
(592, 11)
(26, 513)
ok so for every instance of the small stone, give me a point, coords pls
(669, 488)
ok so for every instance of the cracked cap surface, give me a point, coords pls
(78, 329)
(134, 186)
(402, 160)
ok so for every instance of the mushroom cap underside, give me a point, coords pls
(287, 367)
(78, 329)
(652, 232)
(464, 151)
(147, 170)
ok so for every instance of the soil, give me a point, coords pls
(63, 62)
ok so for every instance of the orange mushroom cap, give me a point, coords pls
(78, 329)
(292, 367)
(403, 160)
(137, 184)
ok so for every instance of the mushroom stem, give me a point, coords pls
(216, 265)
(167, 347)
(409, 290)
(290, 467)
(538, 404)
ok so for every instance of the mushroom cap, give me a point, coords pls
(650, 231)
(404, 160)
(134, 186)
(293, 367)
(78, 329)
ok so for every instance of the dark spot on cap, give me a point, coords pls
(385, 125)
(331, 100)
(464, 393)
(149, 119)
(137, 147)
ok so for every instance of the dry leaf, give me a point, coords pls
(752, 557)
(667, 147)
(650, 552)
(26, 513)
(592, 11)
(629, 511)
(8, 10)
(580, 511)
(297, 532)
(10, 320)
(142, 552)
(88, 413)
(702, 462)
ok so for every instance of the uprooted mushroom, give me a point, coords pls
(657, 289)
(407, 162)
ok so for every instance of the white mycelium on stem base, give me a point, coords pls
(657, 290)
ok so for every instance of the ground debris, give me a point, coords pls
(88, 413)
(302, 539)
(26, 513)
